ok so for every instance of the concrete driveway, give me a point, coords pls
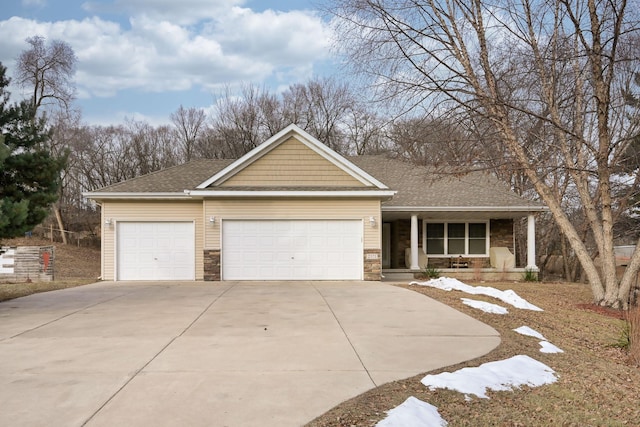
(221, 354)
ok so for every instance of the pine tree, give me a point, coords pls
(29, 175)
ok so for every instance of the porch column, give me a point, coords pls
(531, 243)
(414, 242)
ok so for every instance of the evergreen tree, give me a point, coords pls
(29, 175)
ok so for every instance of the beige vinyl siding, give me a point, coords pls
(292, 163)
(148, 211)
(334, 208)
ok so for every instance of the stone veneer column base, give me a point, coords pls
(373, 264)
(212, 265)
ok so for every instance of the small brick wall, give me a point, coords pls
(22, 263)
(212, 265)
(502, 233)
(373, 264)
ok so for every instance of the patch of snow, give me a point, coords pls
(487, 307)
(413, 412)
(547, 347)
(502, 375)
(508, 296)
(525, 330)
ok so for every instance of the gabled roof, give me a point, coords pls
(309, 141)
(401, 185)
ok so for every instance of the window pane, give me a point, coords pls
(456, 247)
(477, 246)
(435, 238)
(456, 230)
(435, 230)
(477, 230)
(435, 246)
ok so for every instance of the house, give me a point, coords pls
(293, 209)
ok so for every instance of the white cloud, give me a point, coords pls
(158, 52)
(184, 12)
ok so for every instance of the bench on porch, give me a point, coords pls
(459, 262)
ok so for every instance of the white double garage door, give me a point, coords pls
(251, 250)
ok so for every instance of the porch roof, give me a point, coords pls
(422, 190)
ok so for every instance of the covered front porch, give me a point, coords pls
(466, 243)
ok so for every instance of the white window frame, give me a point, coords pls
(466, 238)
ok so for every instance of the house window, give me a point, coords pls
(455, 238)
(434, 236)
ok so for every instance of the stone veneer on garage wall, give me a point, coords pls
(212, 265)
(372, 264)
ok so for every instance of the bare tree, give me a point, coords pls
(65, 130)
(364, 132)
(320, 107)
(48, 69)
(437, 143)
(241, 123)
(108, 155)
(557, 63)
(189, 124)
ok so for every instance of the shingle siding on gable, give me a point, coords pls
(292, 163)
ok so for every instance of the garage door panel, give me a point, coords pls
(292, 250)
(156, 251)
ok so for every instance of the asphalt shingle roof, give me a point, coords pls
(171, 180)
(416, 186)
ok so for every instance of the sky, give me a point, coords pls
(142, 59)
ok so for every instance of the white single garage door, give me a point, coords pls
(292, 250)
(156, 251)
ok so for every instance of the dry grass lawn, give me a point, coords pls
(597, 386)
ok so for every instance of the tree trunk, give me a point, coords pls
(629, 277)
(63, 233)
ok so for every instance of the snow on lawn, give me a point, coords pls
(502, 375)
(508, 296)
(413, 412)
(546, 346)
(487, 307)
(525, 330)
